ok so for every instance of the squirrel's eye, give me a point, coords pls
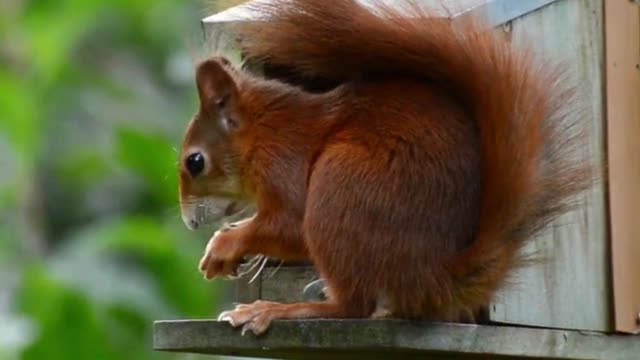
(195, 164)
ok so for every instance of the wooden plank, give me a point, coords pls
(245, 291)
(622, 19)
(572, 289)
(286, 284)
(385, 339)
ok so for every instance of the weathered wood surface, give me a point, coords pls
(286, 284)
(275, 283)
(572, 290)
(623, 118)
(384, 339)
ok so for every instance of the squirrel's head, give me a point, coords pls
(210, 188)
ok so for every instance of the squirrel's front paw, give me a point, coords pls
(221, 257)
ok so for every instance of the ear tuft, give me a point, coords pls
(215, 85)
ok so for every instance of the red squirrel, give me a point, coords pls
(411, 185)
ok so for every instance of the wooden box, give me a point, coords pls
(592, 249)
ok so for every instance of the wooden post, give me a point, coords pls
(622, 49)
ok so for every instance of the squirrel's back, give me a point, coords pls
(509, 110)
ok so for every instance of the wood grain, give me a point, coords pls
(571, 290)
(391, 339)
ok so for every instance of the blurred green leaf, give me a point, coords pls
(68, 325)
(19, 115)
(85, 168)
(166, 253)
(153, 158)
(88, 123)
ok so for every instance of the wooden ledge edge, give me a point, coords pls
(290, 339)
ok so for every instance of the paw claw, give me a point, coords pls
(227, 317)
(245, 328)
(255, 317)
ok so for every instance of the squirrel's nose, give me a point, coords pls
(193, 224)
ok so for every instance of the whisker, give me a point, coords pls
(254, 260)
(277, 268)
(252, 264)
(264, 262)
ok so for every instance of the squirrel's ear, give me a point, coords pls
(217, 90)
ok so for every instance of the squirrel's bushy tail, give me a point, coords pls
(531, 170)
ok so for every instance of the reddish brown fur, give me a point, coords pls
(418, 186)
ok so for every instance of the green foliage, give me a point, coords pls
(150, 166)
(69, 326)
(94, 97)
